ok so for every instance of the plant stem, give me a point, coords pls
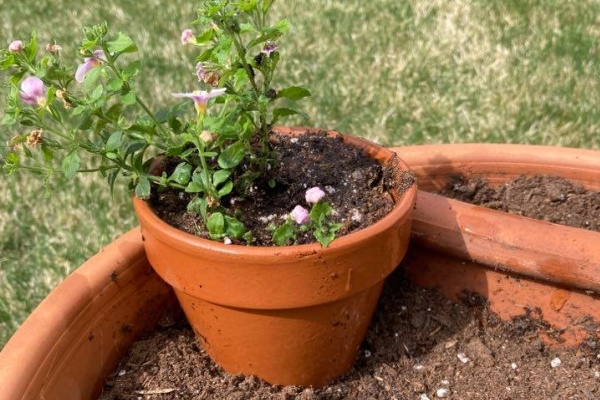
(111, 64)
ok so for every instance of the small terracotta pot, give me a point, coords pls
(459, 246)
(292, 315)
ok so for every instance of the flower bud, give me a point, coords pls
(206, 136)
(53, 48)
(187, 37)
(15, 46)
(300, 215)
(314, 195)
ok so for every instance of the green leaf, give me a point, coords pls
(234, 228)
(114, 84)
(324, 237)
(70, 164)
(194, 187)
(198, 205)
(128, 97)
(122, 44)
(319, 212)
(47, 153)
(132, 69)
(216, 225)
(142, 189)
(205, 37)
(247, 5)
(91, 77)
(293, 93)
(220, 176)
(114, 141)
(279, 113)
(284, 234)
(282, 26)
(182, 173)
(226, 189)
(134, 146)
(97, 93)
(232, 155)
(112, 176)
(31, 48)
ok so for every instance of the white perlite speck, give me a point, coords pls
(294, 140)
(597, 374)
(226, 240)
(356, 216)
(122, 372)
(463, 358)
(418, 367)
(445, 382)
(555, 363)
(513, 366)
(424, 397)
(442, 393)
(367, 353)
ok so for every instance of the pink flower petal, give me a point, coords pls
(33, 91)
(83, 69)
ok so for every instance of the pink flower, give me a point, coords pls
(33, 91)
(201, 98)
(200, 72)
(88, 64)
(314, 195)
(15, 46)
(300, 215)
(269, 47)
(187, 37)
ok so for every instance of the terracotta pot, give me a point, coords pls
(459, 246)
(74, 339)
(292, 315)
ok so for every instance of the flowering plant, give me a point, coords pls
(95, 109)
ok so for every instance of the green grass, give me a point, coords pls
(398, 72)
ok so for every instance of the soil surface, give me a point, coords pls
(357, 187)
(420, 346)
(545, 197)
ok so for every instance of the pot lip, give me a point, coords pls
(165, 232)
(565, 256)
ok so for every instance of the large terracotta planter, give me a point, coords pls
(289, 315)
(517, 263)
(73, 340)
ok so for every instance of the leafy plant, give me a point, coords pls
(58, 113)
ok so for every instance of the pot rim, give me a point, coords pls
(167, 233)
(499, 239)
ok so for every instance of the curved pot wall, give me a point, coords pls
(75, 337)
(459, 246)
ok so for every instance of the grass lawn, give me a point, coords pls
(398, 72)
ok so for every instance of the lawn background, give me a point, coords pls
(397, 72)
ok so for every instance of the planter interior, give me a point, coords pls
(518, 263)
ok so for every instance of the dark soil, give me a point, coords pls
(545, 197)
(357, 187)
(413, 351)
